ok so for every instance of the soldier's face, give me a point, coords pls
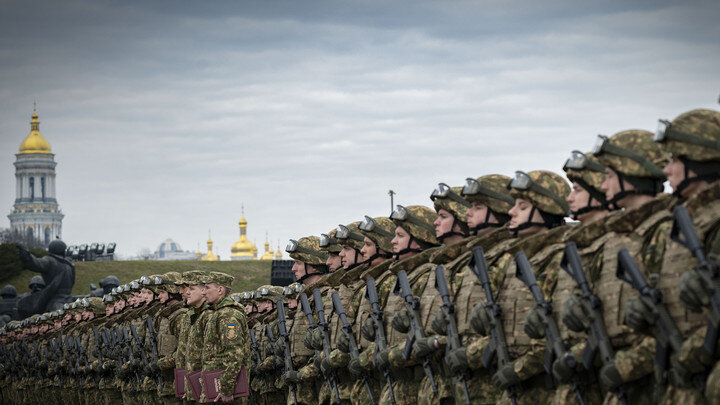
(401, 241)
(298, 269)
(87, 315)
(43, 328)
(333, 262)
(476, 215)
(109, 309)
(445, 223)
(163, 296)
(347, 256)
(368, 250)
(78, 317)
(611, 185)
(248, 308)
(675, 172)
(183, 292)
(195, 296)
(264, 306)
(212, 293)
(578, 198)
(292, 303)
(520, 214)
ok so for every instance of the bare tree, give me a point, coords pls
(9, 236)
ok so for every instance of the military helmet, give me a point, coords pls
(546, 191)
(449, 199)
(57, 247)
(693, 135)
(269, 293)
(588, 172)
(632, 153)
(491, 191)
(329, 242)
(307, 250)
(418, 221)
(380, 230)
(349, 235)
(293, 290)
(9, 291)
(36, 280)
(192, 277)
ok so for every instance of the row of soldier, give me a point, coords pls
(490, 296)
(128, 346)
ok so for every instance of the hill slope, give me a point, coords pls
(248, 274)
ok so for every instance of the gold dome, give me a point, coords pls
(243, 248)
(34, 142)
(210, 256)
(268, 255)
(278, 253)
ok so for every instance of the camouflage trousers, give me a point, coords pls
(590, 394)
(480, 387)
(641, 392)
(405, 388)
(344, 388)
(360, 395)
(534, 392)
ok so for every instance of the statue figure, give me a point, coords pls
(8, 304)
(58, 274)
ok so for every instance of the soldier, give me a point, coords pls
(264, 314)
(194, 322)
(633, 182)
(537, 219)
(309, 267)
(226, 345)
(692, 139)
(329, 243)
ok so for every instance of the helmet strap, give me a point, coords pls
(705, 171)
(408, 249)
(529, 223)
(442, 237)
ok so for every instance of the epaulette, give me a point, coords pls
(630, 219)
(376, 270)
(699, 200)
(412, 262)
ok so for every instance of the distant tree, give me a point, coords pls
(10, 236)
(144, 254)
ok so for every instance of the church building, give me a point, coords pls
(36, 211)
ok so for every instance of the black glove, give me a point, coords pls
(325, 367)
(457, 360)
(291, 377)
(401, 321)
(343, 344)
(695, 293)
(368, 329)
(381, 359)
(480, 319)
(279, 348)
(317, 339)
(639, 313)
(439, 323)
(307, 340)
(534, 325)
(610, 378)
(506, 377)
(424, 347)
(561, 371)
(574, 315)
(354, 368)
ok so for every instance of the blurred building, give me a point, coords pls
(170, 250)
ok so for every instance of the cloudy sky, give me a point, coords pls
(167, 116)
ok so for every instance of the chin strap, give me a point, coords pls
(687, 181)
(528, 224)
(300, 280)
(408, 249)
(357, 262)
(442, 237)
(589, 208)
(486, 224)
(612, 203)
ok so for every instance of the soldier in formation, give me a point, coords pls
(490, 295)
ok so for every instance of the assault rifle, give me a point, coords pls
(667, 335)
(380, 341)
(347, 331)
(683, 232)
(555, 348)
(322, 324)
(412, 306)
(255, 352)
(453, 336)
(127, 345)
(598, 338)
(498, 345)
(154, 352)
(287, 354)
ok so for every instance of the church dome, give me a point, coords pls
(210, 256)
(34, 142)
(243, 249)
(268, 255)
(166, 247)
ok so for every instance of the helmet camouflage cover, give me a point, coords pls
(354, 239)
(421, 226)
(496, 183)
(452, 206)
(309, 251)
(588, 177)
(700, 123)
(639, 143)
(333, 245)
(382, 233)
(552, 182)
